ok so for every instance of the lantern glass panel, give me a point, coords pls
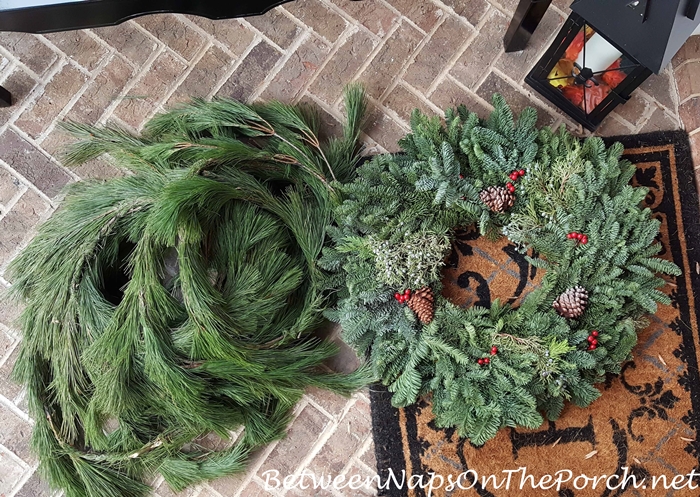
(589, 70)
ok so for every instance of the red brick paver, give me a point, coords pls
(429, 54)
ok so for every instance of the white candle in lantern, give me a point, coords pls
(599, 54)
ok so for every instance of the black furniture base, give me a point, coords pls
(525, 20)
(5, 97)
(27, 16)
(83, 14)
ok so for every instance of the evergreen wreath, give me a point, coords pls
(568, 200)
(180, 299)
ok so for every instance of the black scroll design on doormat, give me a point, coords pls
(654, 401)
(552, 434)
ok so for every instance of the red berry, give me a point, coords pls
(591, 347)
(494, 350)
(584, 239)
(510, 187)
(570, 236)
(397, 296)
(594, 342)
(513, 176)
(486, 360)
(579, 236)
(594, 333)
(461, 176)
(407, 291)
(480, 362)
(590, 338)
(521, 172)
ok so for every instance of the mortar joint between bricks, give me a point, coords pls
(652, 100)
(299, 22)
(36, 93)
(100, 41)
(505, 10)
(180, 79)
(402, 18)
(694, 60)
(151, 36)
(263, 36)
(455, 57)
(373, 54)
(237, 62)
(281, 62)
(7, 403)
(29, 184)
(135, 78)
(69, 105)
(206, 35)
(537, 103)
(355, 22)
(22, 481)
(8, 55)
(646, 116)
(343, 38)
(409, 61)
(63, 55)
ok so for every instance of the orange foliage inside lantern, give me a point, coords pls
(563, 72)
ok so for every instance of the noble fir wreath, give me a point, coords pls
(180, 299)
(569, 201)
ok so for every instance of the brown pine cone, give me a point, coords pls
(497, 198)
(422, 302)
(572, 302)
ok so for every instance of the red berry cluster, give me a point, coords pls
(593, 340)
(403, 297)
(516, 174)
(461, 176)
(514, 177)
(485, 360)
(578, 237)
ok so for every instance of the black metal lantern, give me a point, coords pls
(606, 49)
(585, 75)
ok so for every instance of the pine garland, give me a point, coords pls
(179, 300)
(491, 368)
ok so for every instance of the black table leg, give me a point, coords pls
(5, 97)
(525, 20)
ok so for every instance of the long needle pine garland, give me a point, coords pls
(567, 200)
(179, 300)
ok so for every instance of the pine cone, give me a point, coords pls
(498, 198)
(572, 302)
(422, 303)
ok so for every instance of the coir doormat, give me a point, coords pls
(639, 438)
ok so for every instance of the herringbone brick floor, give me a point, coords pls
(428, 54)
